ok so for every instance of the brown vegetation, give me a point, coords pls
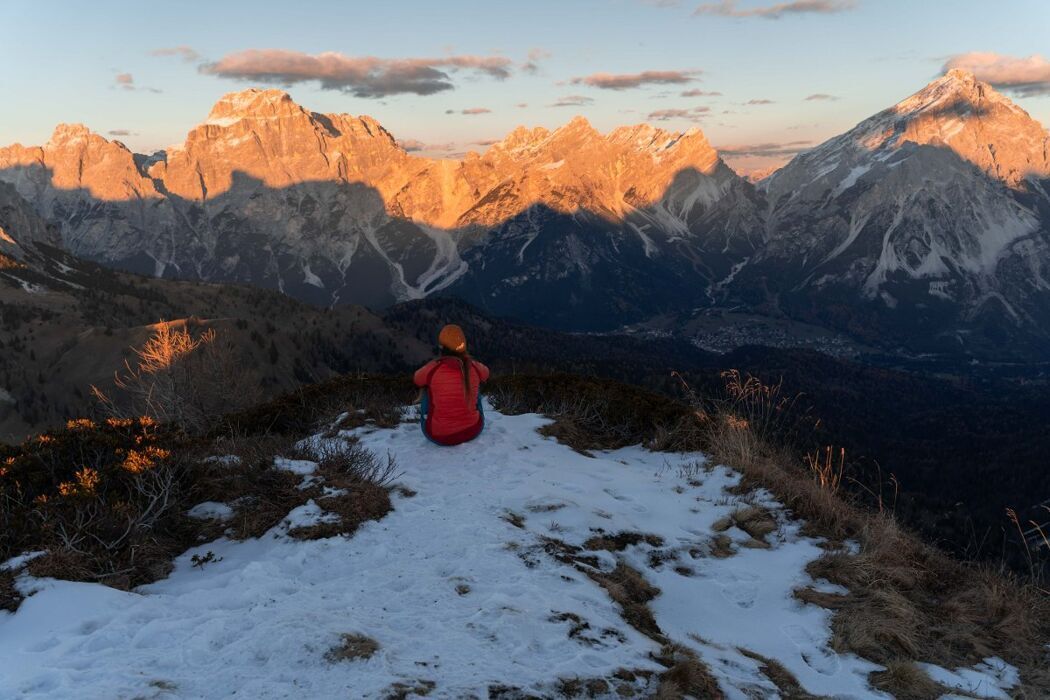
(182, 375)
(107, 500)
(353, 647)
(907, 601)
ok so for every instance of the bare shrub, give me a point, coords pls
(181, 378)
(349, 460)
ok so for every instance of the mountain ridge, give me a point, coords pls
(936, 205)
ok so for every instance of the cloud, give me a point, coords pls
(522, 105)
(730, 8)
(126, 81)
(361, 76)
(484, 142)
(662, 3)
(820, 96)
(411, 145)
(764, 150)
(700, 93)
(1025, 77)
(624, 81)
(415, 145)
(663, 115)
(759, 102)
(572, 101)
(121, 132)
(184, 52)
(469, 111)
(532, 65)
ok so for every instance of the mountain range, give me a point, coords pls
(924, 228)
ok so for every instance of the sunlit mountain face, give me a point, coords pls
(924, 227)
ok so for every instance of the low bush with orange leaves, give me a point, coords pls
(97, 494)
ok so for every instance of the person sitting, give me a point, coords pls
(451, 384)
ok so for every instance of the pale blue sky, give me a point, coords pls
(61, 61)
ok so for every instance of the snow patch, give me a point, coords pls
(210, 510)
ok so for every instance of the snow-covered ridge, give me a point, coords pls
(460, 590)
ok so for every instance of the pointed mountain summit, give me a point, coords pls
(955, 112)
(930, 215)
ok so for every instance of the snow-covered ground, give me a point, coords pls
(458, 597)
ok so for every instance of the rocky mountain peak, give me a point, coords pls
(68, 134)
(957, 113)
(252, 103)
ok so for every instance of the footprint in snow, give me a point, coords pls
(740, 593)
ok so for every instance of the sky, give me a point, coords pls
(763, 79)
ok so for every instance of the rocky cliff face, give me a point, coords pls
(924, 226)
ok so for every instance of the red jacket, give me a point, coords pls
(452, 414)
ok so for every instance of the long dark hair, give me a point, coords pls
(465, 363)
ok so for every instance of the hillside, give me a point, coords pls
(552, 558)
(67, 324)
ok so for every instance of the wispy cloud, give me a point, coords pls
(522, 105)
(759, 102)
(624, 81)
(184, 52)
(731, 8)
(121, 132)
(700, 93)
(470, 111)
(535, 57)
(820, 97)
(484, 142)
(361, 76)
(411, 145)
(572, 101)
(415, 145)
(663, 115)
(764, 150)
(126, 81)
(1022, 76)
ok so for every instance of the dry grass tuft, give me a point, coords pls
(627, 587)
(755, 521)
(621, 541)
(783, 679)
(515, 519)
(582, 687)
(906, 681)
(722, 547)
(685, 677)
(402, 691)
(351, 648)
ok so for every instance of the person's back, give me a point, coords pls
(452, 385)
